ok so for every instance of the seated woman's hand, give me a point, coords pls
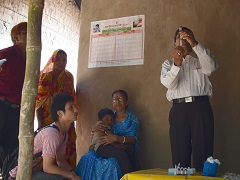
(108, 139)
(99, 126)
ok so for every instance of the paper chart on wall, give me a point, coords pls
(117, 42)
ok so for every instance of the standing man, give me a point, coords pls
(191, 117)
(12, 73)
(52, 142)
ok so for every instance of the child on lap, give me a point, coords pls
(105, 116)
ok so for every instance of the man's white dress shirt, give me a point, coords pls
(191, 78)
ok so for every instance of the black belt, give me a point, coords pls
(9, 103)
(191, 99)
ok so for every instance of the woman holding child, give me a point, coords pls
(120, 145)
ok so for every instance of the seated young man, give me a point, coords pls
(52, 142)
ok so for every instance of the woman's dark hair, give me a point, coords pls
(124, 93)
(176, 33)
(104, 112)
(59, 102)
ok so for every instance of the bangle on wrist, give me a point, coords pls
(124, 139)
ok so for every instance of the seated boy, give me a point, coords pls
(105, 116)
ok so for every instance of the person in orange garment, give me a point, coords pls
(55, 79)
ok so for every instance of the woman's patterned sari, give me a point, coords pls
(47, 90)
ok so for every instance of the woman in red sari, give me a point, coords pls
(54, 79)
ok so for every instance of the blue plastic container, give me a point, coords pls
(210, 169)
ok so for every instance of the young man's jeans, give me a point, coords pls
(40, 175)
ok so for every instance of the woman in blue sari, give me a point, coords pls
(110, 162)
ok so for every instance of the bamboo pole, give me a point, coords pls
(29, 92)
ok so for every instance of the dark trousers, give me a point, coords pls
(133, 156)
(9, 129)
(128, 159)
(191, 132)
